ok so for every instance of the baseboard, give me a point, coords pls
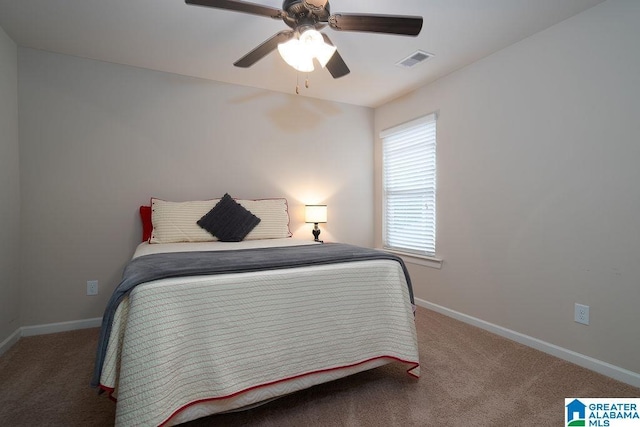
(52, 328)
(604, 368)
(10, 341)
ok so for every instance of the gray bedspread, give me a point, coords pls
(165, 265)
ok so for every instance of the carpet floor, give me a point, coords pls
(469, 377)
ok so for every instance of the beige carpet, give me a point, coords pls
(469, 378)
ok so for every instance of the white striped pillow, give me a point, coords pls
(177, 221)
(274, 218)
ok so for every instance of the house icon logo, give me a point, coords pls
(576, 413)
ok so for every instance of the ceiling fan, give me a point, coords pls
(300, 45)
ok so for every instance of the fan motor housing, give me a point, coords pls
(299, 12)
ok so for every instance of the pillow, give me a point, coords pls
(147, 227)
(274, 218)
(177, 221)
(229, 221)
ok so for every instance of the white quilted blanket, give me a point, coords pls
(179, 342)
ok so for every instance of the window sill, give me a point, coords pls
(425, 261)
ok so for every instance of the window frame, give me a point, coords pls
(428, 138)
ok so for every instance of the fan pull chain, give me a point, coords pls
(306, 83)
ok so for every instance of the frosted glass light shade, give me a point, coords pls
(324, 52)
(294, 54)
(299, 52)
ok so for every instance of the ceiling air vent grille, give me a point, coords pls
(414, 59)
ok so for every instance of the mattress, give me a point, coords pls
(186, 347)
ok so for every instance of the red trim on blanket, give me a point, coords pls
(109, 391)
(413, 366)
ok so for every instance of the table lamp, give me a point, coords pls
(315, 214)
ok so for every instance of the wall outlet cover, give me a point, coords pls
(92, 287)
(581, 314)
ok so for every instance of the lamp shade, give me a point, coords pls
(315, 213)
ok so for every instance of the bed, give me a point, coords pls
(204, 327)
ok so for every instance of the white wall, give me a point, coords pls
(539, 184)
(9, 189)
(98, 140)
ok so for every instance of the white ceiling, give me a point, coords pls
(171, 36)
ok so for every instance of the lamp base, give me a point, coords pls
(316, 232)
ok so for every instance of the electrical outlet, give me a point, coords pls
(581, 314)
(92, 287)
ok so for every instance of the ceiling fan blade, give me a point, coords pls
(390, 24)
(264, 49)
(240, 6)
(336, 65)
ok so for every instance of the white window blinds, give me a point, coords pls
(409, 186)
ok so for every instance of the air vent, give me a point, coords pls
(414, 59)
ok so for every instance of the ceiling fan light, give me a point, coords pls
(324, 53)
(311, 38)
(288, 50)
(313, 43)
(294, 54)
(304, 65)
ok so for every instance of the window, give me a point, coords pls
(409, 187)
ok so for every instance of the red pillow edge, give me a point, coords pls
(147, 226)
